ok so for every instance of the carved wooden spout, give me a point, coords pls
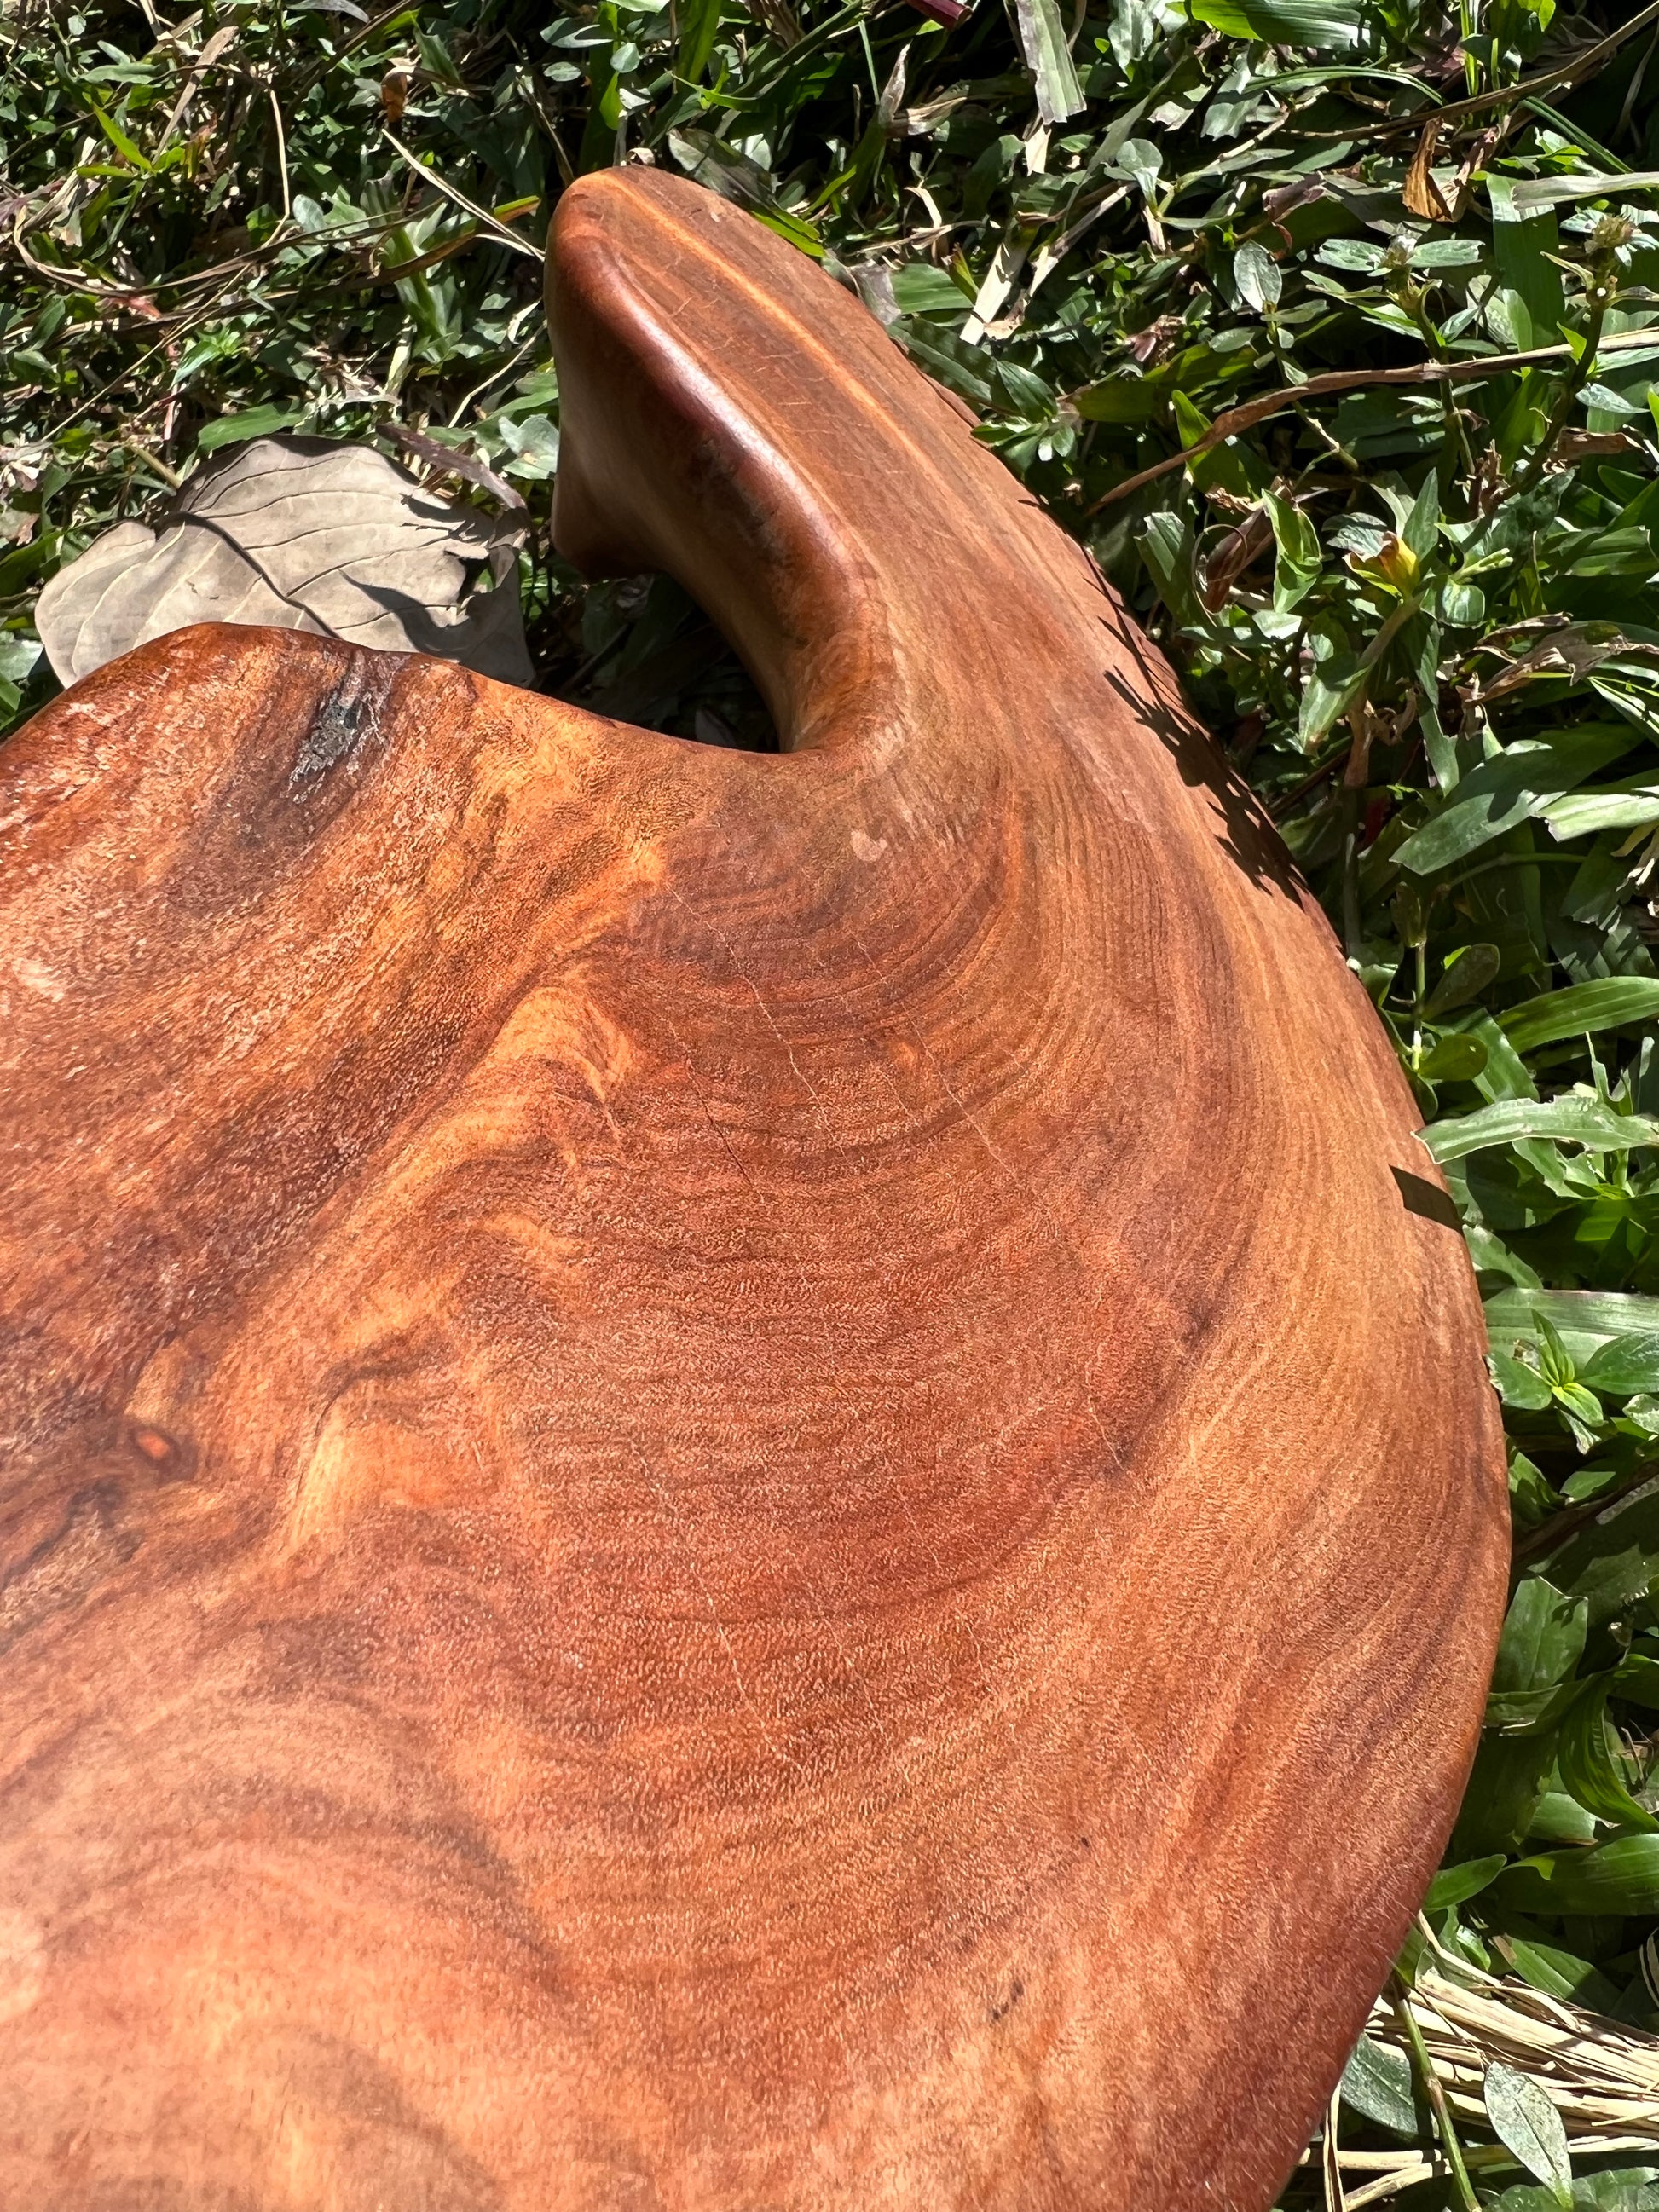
(737, 1481)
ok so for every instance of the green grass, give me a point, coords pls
(1359, 416)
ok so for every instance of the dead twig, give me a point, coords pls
(1237, 420)
(440, 183)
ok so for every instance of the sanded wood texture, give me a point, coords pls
(737, 1483)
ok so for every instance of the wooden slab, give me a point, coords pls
(740, 1484)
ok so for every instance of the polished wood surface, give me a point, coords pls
(737, 1483)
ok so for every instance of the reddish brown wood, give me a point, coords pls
(738, 1483)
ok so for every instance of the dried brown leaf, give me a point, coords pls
(1422, 196)
(1239, 548)
(1572, 446)
(1574, 651)
(298, 533)
(450, 460)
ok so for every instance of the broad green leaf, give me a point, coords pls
(1615, 1559)
(1608, 1003)
(1143, 160)
(1581, 1411)
(959, 367)
(1543, 1637)
(1166, 547)
(1328, 690)
(1326, 26)
(1562, 1820)
(1192, 425)
(1120, 399)
(919, 288)
(1624, 1366)
(1376, 2083)
(1524, 246)
(1422, 642)
(1585, 1319)
(1445, 252)
(1228, 464)
(1629, 2188)
(1586, 1484)
(1626, 2190)
(1550, 191)
(257, 422)
(1511, 1774)
(1137, 26)
(1555, 1361)
(1257, 275)
(1527, 2122)
(1468, 971)
(1463, 605)
(792, 230)
(1296, 557)
(1620, 1877)
(1026, 394)
(1454, 1059)
(1362, 255)
(1605, 552)
(1421, 528)
(1632, 805)
(1497, 795)
(1519, 1384)
(124, 144)
(17, 657)
(1048, 57)
(1636, 1679)
(1573, 1120)
(1493, 1258)
(533, 444)
(1454, 1885)
(1588, 1766)
(1531, 1711)
(1560, 1974)
(699, 22)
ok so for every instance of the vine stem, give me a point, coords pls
(1237, 420)
(1582, 371)
(1525, 89)
(1430, 2082)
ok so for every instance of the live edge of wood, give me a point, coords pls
(738, 1484)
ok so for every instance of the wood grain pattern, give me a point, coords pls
(735, 1484)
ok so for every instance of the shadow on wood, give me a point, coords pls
(737, 1481)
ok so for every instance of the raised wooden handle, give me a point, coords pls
(742, 1481)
